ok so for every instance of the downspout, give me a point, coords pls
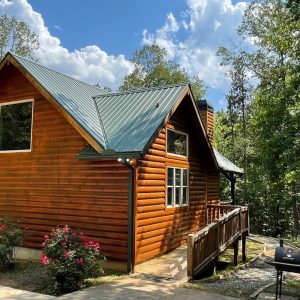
(126, 163)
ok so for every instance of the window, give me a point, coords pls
(177, 187)
(177, 142)
(15, 126)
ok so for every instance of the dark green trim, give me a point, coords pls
(107, 154)
(130, 218)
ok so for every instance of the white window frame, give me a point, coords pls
(187, 142)
(17, 102)
(174, 187)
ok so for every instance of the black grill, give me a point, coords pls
(286, 259)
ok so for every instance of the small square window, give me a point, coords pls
(177, 142)
(15, 126)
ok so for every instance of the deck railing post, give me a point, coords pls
(190, 255)
(218, 238)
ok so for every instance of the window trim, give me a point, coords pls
(18, 102)
(187, 143)
(174, 205)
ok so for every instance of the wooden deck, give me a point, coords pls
(227, 224)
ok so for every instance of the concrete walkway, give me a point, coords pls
(7, 293)
(140, 289)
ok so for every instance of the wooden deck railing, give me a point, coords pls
(227, 224)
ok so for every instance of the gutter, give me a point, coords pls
(126, 163)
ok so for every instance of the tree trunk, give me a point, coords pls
(295, 210)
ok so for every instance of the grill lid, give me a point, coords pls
(287, 255)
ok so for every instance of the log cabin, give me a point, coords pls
(134, 170)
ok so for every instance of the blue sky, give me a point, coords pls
(93, 40)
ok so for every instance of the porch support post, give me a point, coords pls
(233, 191)
(235, 252)
(232, 178)
(244, 257)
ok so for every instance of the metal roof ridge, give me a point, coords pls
(40, 65)
(142, 90)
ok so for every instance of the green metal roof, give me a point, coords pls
(132, 118)
(71, 94)
(122, 123)
(226, 165)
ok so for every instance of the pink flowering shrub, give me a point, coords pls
(70, 258)
(10, 236)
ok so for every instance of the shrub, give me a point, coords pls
(70, 258)
(10, 236)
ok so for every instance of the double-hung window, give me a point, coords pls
(177, 187)
(16, 126)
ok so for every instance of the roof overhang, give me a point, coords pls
(226, 166)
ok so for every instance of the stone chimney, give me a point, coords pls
(207, 117)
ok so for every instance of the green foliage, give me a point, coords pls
(273, 116)
(70, 257)
(152, 68)
(10, 236)
(17, 37)
(105, 88)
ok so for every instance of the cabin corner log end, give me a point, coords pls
(229, 224)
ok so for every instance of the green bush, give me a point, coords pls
(70, 257)
(10, 236)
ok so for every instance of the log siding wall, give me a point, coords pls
(160, 229)
(48, 186)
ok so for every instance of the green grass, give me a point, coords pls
(31, 276)
(289, 288)
(293, 241)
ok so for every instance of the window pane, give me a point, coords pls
(184, 195)
(170, 176)
(184, 178)
(178, 177)
(177, 196)
(170, 196)
(15, 126)
(176, 143)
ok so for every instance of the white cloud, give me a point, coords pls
(207, 25)
(90, 64)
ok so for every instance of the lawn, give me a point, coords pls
(31, 276)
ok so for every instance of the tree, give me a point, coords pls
(237, 103)
(274, 122)
(152, 67)
(17, 37)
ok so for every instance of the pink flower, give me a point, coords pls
(66, 236)
(46, 237)
(74, 233)
(79, 261)
(64, 244)
(44, 260)
(3, 226)
(0, 236)
(65, 229)
(66, 255)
